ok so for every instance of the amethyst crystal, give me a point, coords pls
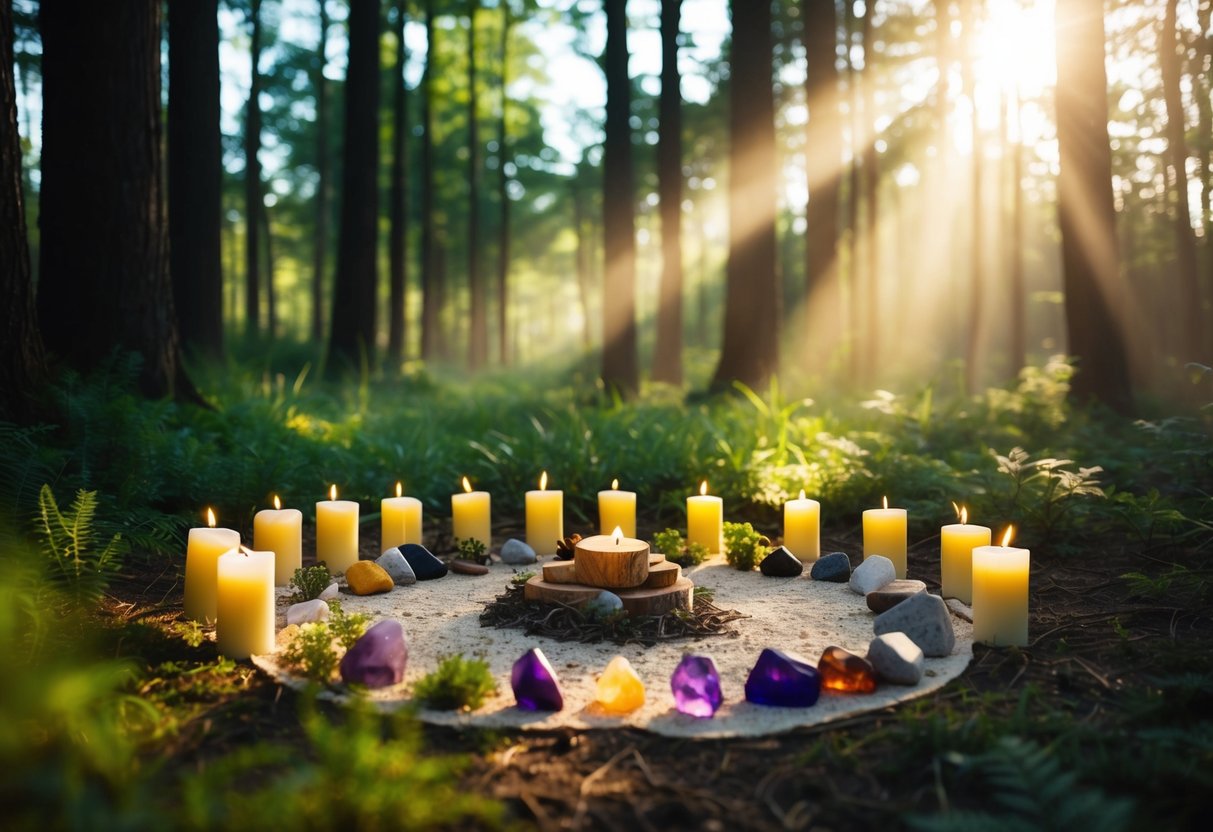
(535, 684)
(378, 657)
(696, 686)
(782, 679)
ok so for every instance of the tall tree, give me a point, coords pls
(620, 365)
(973, 335)
(253, 197)
(352, 339)
(104, 281)
(871, 191)
(22, 363)
(1018, 291)
(503, 193)
(1086, 214)
(750, 350)
(398, 211)
(478, 332)
(195, 174)
(667, 353)
(320, 242)
(431, 289)
(855, 340)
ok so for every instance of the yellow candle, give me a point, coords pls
(471, 515)
(802, 527)
(337, 533)
(956, 544)
(246, 604)
(705, 520)
(544, 518)
(884, 533)
(280, 530)
(201, 567)
(1000, 594)
(400, 520)
(617, 508)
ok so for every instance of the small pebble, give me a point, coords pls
(872, 574)
(896, 659)
(517, 553)
(893, 593)
(394, 564)
(781, 563)
(467, 567)
(366, 577)
(925, 619)
(423, 563)
(834, 567)
(329, 593)
(314, 610)
(603, 604)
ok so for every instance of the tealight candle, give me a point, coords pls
(544, 518)
(471, 515)
(246, 604)
(705, 520)
(337, 533)
(884, 533)
(956, 544)
(802, 527)
(617, 508)
(202, 553)
(280, 530)
(399, 520)
(1000, 594)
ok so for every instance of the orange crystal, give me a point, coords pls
(620, 690)
(845, 672)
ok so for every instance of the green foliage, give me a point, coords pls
(310, 581)
(1043, 492)
(474, 550)
(671, 544)
(456, 684)
(191, 632)
(743, 547)
(81, 568)
(521, 578)
(346, 627)
(318, 647)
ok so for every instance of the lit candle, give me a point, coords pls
(705, 520)
(202, 553)
(400, 520)
(802, 527)
(280, 530)
(246, 604)
(617, 508)
(1000, 594)
(956, 544)
(612, 560)
(471, 515)
(884, 533)
(544, 518)
(337, 533)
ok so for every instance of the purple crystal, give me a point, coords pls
(378, 657)
(535, 684)
(696, 686)
(782, 679)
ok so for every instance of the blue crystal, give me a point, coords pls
(535, 685)
(782, 679)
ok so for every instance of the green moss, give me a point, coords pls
(458, 683)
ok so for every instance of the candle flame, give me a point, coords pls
(962, 512)
(277, 502)
(333, 491)
(467, 486)
(399, 489)
(615, 484)
(886, 502)
(617, 535)
(802, 493)
(1007, 535)
(543, 481)
(210, 517)
(703, 488)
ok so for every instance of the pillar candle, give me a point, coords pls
(400, 520)
(544, 518)
(617, 508)
(705, 520)
(802, 527)
(884, 533)
(1000, 594)
(201, 567)
(337, 532)
(246, 604)
(956, 544)
(280, 530)
(471, 515)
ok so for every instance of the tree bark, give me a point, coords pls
(620, 364)
(431, 289)
(320, 244)
(399, 208)
(871, 194)
(478, 331)
(1090, 261)
(750, 349)
(352, 340)
(667, 353)
(253, 197)
(973, 334)
(503, 195)
(104, 280)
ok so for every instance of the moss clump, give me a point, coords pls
(457, 684)
(677, 550)
(743, 546)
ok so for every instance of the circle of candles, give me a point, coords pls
(399, 520)
(471, 515)
(705, 520)
(280, 530)
(544, 518)
(337, 532)
(884, 533)
(802, 527)
(202, 552)
(617, 508)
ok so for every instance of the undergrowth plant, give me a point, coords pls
(676, 549)
(318, 646)
(457, 683)
(743, 546)
(1045, 493)
(74, 560)
(473, 549)
(310, 581)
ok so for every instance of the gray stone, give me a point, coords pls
(329, 592)
(893, 593)
(896, 659)
(394, 564)
(925, 619)
(314, 610)
(872, 574)
(517, 553)
(834, 567)
(604, 603)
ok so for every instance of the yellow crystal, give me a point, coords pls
(366, 577)
(620, 690)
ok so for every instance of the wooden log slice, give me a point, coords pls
(658, 601)
(539, 590)
(560, 572)
(600, 561)
(662, 574)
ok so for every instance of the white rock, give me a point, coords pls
(394, 564)
(872, 574)
(896, 658)
(314, 610)
(330, 592)
(925, 619)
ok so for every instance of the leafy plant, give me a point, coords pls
(67, 542)
(671, 544)
(521, 578)
(318, 646)
(743, 546)
(473, 549)
(346, 627)
(456, 684)
(310, 581)
(1043, 491)
(190, 631)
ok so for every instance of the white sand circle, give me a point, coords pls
(792, 614)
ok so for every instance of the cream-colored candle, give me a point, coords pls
(884, 533)
(617, 508)
(1000, 594)
(471, 515)
(246, 604)
(705, 520)
(956, 544)
(400, 520)
(202, 553)
(802, 527)
(337, 533)
(544, 518)
(280, 530)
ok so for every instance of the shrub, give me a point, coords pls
(743, 546)
(671, 544)
(473, 550)
(457, 684)
(314, 649)
(310, 581)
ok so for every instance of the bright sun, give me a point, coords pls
(1014, 55)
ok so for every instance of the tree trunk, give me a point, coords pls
(855, 341)
(1202, 76)
(667, 353)
(478, 330)
(253, 197)
(104, 269)
(871, 194)
(352, 339)
(195, 175)
(22, 363)
(320, 244)
(503, 196)
(973, 334)
(1018, 291)
(750, 350)
(582, 265)
(1086, 215)
(620, 365)
(271, 298)
(430, 287)
(399, 208)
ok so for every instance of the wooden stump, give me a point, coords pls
(602, 562)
